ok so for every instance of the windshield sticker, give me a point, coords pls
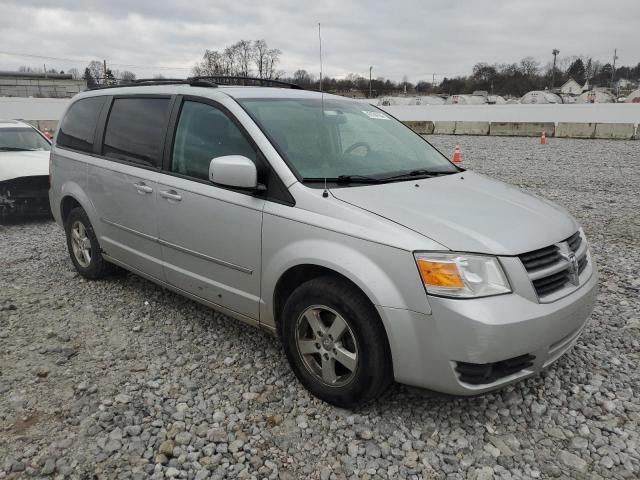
(376, 115)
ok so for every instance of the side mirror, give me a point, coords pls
(233, 171)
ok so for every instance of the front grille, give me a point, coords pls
(540, 258)
(483, 373)
(550, 269)
(552, 283)
(582, 264)
(574, 242)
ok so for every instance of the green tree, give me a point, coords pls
(88, 77)
(577, 70)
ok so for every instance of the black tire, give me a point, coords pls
(373, 372)
(97, 267)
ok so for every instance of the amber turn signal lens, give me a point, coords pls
(440, 274)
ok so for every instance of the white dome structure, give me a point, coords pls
(566, 98)
(540, 96)
(596, 96)
(426, 100)
(466, 100)
(496, 100)
(391, 101)
(633, 97)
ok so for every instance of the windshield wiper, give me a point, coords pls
(344, 179)
(14, 149)
(421, 172)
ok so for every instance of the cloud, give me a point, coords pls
(413, 38)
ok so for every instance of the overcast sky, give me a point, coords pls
(416, 38)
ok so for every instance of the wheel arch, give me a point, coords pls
(298, 274)
(72, 196)
(301, 273)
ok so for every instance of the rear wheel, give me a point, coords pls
(335, 342)
(84, 248)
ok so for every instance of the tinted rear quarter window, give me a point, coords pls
(136, 129)
(78, 127)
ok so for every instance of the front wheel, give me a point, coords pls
(335, 342)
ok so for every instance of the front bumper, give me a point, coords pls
(24, 196)
(425, 348)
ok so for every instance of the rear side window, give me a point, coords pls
(135, 130)
(78, 127)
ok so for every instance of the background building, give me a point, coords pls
(42, 85)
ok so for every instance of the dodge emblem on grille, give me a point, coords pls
(573, 269)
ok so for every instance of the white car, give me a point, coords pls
(24, 169)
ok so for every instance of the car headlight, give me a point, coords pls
(461, 275)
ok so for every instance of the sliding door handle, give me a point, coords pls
(142, 187)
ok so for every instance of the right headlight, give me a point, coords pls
(461, 275)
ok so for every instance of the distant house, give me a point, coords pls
(625, 83)
(42, 85)
(571, 87)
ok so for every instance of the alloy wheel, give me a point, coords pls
(327, 345)
(80, 244)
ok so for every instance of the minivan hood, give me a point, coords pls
(23, 164)
(466, 212)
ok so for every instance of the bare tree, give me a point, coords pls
(231, 60)
(529, 66)
(126, 77)
(271, 61)
(75, 74)
(97, 71)
(260, 50)
(302, 78)
(239, 59)
(244, 55)
(213, 63)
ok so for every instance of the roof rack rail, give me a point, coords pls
(246, 81)
(143, 82)
(212, 81)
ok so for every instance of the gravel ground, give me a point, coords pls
(121, 379)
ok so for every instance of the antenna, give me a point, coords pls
(325, 194)
(320, 42)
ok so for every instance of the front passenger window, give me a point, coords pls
(205, 132)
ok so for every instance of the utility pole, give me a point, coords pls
(433, 82)
(613, 67)
(553, 72)
(104, 72)
(370, 68)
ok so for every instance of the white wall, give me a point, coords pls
(592, 113)
(32, 108)
(52, 109)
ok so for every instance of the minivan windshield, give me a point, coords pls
(21, 139)
(343, 140)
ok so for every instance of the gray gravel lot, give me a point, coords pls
(121, 379)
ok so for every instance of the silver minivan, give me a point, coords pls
(327, 222)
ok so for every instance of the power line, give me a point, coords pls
(77, 60)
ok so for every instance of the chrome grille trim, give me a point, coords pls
(551, 269)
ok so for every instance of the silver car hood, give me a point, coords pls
(466, 212)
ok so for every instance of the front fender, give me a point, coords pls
(387, 275)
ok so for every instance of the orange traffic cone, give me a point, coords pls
(456, 155)
(543, 138)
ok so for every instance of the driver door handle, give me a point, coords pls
(171, 195)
